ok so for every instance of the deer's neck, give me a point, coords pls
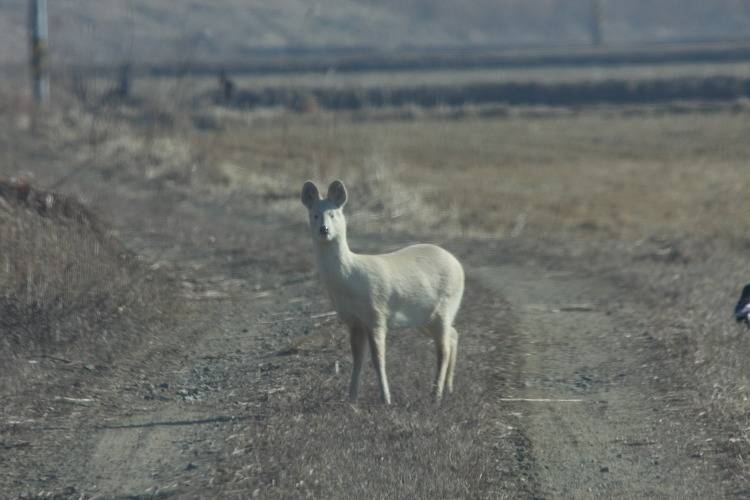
(335, 260)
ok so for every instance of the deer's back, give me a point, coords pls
(414, 284)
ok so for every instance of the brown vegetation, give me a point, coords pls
(65, 283)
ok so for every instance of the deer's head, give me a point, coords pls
(327, 222)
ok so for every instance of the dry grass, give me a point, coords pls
(650, 198)
(604, 173)
(612, 171)
(68, 288)
(440, 453)
(596, 175)
(299, 438)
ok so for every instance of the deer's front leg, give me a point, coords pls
(377, 349)
(358, 339)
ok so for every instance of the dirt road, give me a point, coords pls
(560, 389)
(598, 426)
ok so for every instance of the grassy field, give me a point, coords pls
(640, 194)
(601, 173)
(647, 199)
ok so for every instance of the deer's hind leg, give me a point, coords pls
(452, 360)
(442, 336)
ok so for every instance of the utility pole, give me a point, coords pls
(597, 20)
(38, 40)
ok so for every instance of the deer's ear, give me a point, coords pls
(337, 193)
(309, 194)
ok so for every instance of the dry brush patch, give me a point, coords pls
(67, 287)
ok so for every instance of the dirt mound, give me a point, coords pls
(17, 192)
(67, 286)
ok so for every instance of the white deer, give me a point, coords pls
(419, 286)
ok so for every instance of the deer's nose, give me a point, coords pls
(324, 229)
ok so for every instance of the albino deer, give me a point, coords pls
(419, 286)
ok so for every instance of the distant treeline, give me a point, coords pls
(531, 93)
(363, 59)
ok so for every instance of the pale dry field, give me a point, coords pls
(600, 173)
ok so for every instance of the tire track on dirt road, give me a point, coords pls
(603, 434)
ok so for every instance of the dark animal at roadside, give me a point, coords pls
(742, 309)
